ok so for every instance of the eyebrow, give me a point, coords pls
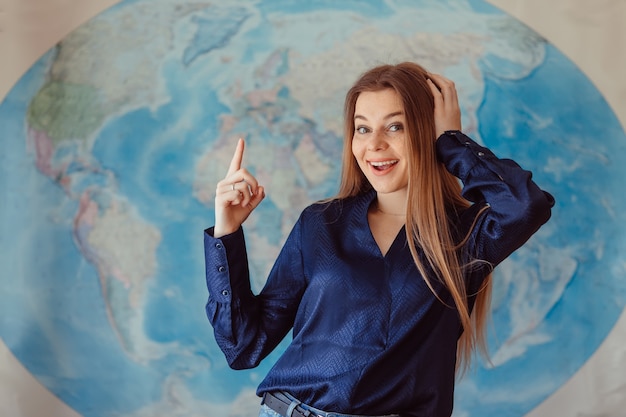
(389, 116)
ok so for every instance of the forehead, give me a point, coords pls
(378, 103)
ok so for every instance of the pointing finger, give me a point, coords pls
(235, 163)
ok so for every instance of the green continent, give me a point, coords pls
(66, 111)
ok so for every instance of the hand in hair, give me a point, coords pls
(447, 110)
(235, 196)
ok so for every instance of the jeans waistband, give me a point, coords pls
(287, 405)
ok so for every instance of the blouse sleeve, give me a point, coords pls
(517, 206)
(248, 327)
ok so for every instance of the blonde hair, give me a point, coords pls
(432, 193)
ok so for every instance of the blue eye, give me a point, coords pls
(395, 127)
(361, 129)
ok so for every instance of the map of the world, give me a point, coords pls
(114, 140)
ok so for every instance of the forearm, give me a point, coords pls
(247, 327)
(232, 308)
(517, 206)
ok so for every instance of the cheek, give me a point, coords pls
(355, 149)
(357, 153)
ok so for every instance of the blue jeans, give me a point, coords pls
(268, 412)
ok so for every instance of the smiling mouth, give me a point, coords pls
(382, 165)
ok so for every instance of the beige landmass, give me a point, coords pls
(127, 246)
(125, 78)
(516, 43)
(319, 82)
(313, 167)
(274, 167)
(125, 255)
(529, 294)
(264, 252)
(178, 401)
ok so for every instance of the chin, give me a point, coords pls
(386, 190)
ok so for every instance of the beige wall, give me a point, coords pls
(590, 33)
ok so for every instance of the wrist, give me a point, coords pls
(219, 232)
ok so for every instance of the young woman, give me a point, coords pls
(386, 286)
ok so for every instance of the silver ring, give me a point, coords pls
(233, 186)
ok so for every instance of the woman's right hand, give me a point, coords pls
(235, 196)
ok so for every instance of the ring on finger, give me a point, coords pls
(233, 184)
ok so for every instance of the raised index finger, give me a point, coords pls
(235, 163)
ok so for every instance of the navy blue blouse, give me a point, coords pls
(369, 336)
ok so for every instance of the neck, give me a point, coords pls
(391, 204)
(378, 209)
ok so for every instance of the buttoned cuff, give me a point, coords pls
(460, 154)
(225, 257)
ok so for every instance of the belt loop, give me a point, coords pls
(292, 406)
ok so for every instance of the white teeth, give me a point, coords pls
(382, 164)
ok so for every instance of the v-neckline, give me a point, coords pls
(395, 238)
(364, 231)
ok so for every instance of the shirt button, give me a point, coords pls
(221, 269)
(481, 154)
(218, 245)
(225, 293)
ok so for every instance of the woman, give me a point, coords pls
(382, 283)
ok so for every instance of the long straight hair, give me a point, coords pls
(432, 192)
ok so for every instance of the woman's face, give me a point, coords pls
(379, 141)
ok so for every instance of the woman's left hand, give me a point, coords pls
(447, 110)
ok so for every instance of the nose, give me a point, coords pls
(377, 141)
